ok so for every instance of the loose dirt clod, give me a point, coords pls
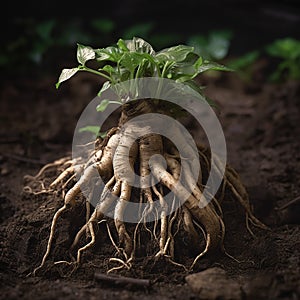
(214, 283)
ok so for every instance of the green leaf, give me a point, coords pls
(93, 129)
(104, 103)
(139, 45)
(195, 86)
(112, 54)
(102, 134)
(109, 69)
(65, 75)
(106, 85)
(123, 74)
(177, 54)
(183, 68)
(184, 78)
(122, 45)
(130, 60)
(198, 63)
(208, 65)
(191, 84)
(145, 69)
(84, 53)
(136, 58)
(102, 106)
(244, 61)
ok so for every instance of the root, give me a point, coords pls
(205, 215)
(90, 244)
(56, 164)
(116, 159)
(52, 231)
(189, 226)
(241, 195)
(163, 242)
(124, 237)
(103, 205)
(66, 173)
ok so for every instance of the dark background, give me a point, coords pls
(164, 23)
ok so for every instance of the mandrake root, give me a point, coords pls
(159, 168)
(117, 192)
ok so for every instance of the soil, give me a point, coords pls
(261, 126)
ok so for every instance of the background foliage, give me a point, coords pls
(217, 29)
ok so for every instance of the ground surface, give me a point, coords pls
(261, 125)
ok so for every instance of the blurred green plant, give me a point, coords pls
(288, 51)
(215, 45)
(244, 64)
(285, 66)
(36, 42)
(31, 40)
(245, 61)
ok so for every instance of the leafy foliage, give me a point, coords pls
(131, 59)
(136, 58)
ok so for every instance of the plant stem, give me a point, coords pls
(96, 72)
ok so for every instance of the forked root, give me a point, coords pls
(206, 215)
(52, 231)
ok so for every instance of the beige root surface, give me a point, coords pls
(107, 161)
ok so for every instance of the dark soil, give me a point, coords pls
(261, 125)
